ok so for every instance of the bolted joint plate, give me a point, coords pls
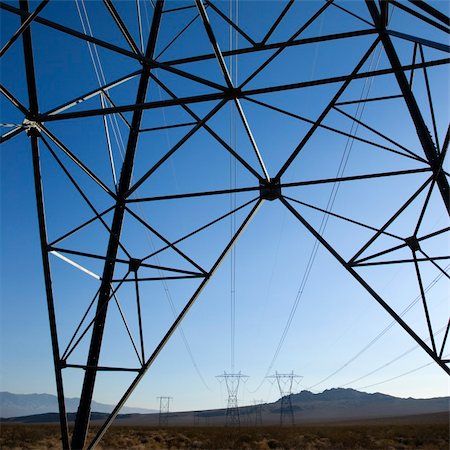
(270, 190)
(413, 243)
(32, 128)
(134, 264)
(233, 93)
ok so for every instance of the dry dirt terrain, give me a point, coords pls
(427, 432)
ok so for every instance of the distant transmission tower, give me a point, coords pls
(285, 382)
(257, 407)
(232, 381)
(196, 419)
(164, 403)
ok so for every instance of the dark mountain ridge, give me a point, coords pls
(332, 405)
(351, 404)
(335, 394)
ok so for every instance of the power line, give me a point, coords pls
(335, 189)
(100, 74)
(233, 44)
(324, 222)
(401, 375)
(392, 360)
(383, 332)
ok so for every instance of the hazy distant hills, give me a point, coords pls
(333, 405)
(330, 406)
(16, 405)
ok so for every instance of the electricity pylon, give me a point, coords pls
(257, 407)
(69, 132)
(164, 407)
(285, 382)
(232, 381)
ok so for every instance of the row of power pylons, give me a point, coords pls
(285, 383)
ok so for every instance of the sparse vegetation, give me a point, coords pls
(369, 436)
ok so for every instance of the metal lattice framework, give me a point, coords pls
(232, 382)
(194, 88)
(257, 408)
(284, 383)
(164, 410)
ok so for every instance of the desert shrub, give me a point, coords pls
(274, 444)
(407, 437)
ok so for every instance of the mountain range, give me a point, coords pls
(350, 404)
(16, 405)
(329, 406)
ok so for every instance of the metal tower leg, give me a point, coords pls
(34, 135)
(423, 133)
(83, 413)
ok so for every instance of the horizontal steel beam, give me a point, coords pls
(235, 94)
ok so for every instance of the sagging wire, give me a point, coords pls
(407, 352)
(233, 43)
(401, 375)
(101, 79)
(139, 19)
(384, 331)
(160, 272)
(331, 200)
(121, 146)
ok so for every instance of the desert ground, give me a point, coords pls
(415, 432)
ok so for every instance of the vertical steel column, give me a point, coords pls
(84, 409)
(423, 133)
(48, 289)
(34, 134)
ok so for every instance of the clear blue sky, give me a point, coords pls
(335, 317)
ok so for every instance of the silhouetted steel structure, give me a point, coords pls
(164, 410)
(285, 383)
(121, 194)
(257, 406)
(232, 382)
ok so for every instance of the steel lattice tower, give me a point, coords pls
(164, 409)
(100, 192)
(232, 382)
(258, 405)
(285, 382)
